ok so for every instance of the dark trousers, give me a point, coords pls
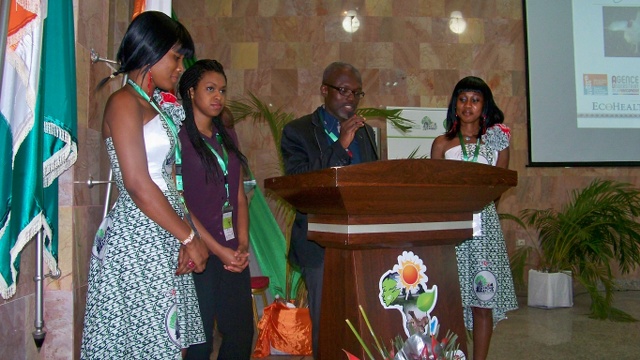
(224, 298)
(313, 280)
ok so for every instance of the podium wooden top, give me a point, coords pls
(405, 186)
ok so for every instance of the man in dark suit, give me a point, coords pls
(333, 135)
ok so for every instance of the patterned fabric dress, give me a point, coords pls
(137, 308)
(483, 264)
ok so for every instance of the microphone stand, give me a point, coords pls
(373, 143)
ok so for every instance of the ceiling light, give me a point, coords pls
(350, 23)
(457, 23)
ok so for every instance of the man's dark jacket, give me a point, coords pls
(306, 147)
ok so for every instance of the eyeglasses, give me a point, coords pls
(346, 92)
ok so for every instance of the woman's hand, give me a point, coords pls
(184, 266)
(232, 260)
(242, 257)
(196, 253)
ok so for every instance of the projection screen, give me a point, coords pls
(583, 78)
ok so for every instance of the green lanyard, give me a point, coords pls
(465, 157)
(171, 126)
(223, 161)
(177, 150)
(331, 135)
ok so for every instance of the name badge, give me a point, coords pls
(477, 224)
(227, 224)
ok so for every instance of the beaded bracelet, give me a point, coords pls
(189, 238)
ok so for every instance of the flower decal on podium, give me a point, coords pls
(405, 288)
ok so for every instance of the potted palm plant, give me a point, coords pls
(597, 228)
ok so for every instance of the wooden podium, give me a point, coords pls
(366, 215)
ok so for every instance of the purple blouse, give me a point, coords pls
(205, 199)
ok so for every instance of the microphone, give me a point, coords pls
(373, 143)
(369, 136)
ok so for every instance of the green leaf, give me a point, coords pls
(426, 300)
(392, 115)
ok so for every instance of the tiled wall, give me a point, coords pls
(277, 50)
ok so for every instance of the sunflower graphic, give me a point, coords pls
(411, 272)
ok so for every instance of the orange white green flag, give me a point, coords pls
(38, 125)
(147, 5)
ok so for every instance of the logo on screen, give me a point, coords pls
(625, 84)
(595, 84)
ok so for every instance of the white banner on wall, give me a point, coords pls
(428, 124)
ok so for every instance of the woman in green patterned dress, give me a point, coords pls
(141, 299)
(474, 132)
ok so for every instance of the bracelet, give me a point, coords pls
(188, 239)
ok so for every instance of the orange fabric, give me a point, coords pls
(138, 8)
(18, 17)
(285, 330)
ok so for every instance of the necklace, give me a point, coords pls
(467, 137)
(463, 145)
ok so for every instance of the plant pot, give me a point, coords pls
(550, 290)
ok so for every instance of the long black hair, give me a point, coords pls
(148, 38)
(189, 80)
(491, 113)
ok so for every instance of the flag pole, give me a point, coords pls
(39, 334)
(4, 29)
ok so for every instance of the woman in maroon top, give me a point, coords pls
(212, 172)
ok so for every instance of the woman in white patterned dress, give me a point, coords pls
(474, 132)
(141, 299)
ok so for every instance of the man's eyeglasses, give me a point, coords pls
(346, 92)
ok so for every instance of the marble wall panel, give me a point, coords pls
(441, 32)
(242, 8)
(378, 7)
(244, 55)
(15, 333)
(379, 29)
(336, 8)
(230, 29)
(472, 9)
(257, 81)
(323, 54)
(256, 29)
(18, 315)
(421, 8)
(58, 320)
(309, 82)
(406, 55)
